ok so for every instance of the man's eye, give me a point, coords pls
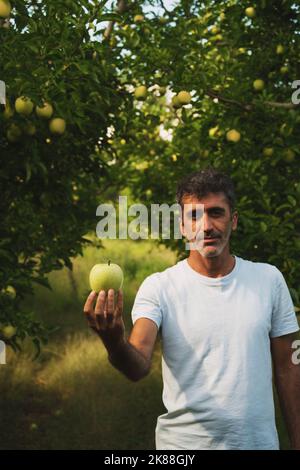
(217, 213)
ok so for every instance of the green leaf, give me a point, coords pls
(68, 263)
(110, 17)
(292, 200)
(263, 226)
(42, 281)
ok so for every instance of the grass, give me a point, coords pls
(71, 398)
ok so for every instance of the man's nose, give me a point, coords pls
(206, 223)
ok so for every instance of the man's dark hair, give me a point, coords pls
(202, 182)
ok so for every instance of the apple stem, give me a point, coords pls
(108, 262)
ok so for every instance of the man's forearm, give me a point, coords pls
(288, 388)
(128, 360)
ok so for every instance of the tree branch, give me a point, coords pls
(281, 105)
(121, 7)
(213, 94)
(249, 107)
(163, 7)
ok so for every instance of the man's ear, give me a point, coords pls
(234, 219)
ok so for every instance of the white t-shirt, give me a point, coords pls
(216, 359)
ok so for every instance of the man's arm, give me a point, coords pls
(130, 356)
(287, 381)
(133, 356)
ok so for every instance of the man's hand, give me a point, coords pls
(106, 319)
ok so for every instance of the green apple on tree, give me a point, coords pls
(8, 111)
(217, 37)
(163, 20)
(57, 126)
(215, 30)
(286, 129)
(44, 111)
(268, 151)
(141, 92)
(8, 331)
(106, 276)
(213, 132)
(184, 97)
(29, 129)
(284, 69)
(289, 155)
(13, 133)
(279, 49)
(24, 105)
(175, 102)
(11, 291)
(162, 90)
(138, 18)
(5, 8)
(250, 12)
(258, 84)
(233, 136)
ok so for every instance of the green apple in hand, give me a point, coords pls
(106, 276)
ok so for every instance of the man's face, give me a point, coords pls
(207, 223)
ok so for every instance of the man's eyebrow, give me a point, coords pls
(210, 209)
(193, 212)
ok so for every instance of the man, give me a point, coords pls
(223, 320)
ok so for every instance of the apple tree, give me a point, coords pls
(239, 63)
(63, 93)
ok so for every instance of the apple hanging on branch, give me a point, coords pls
(5, 8)
(106, 276)
(45, 111)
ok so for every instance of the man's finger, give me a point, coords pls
(88, 306)
(110, 306)
(100, 310)
(119, 307)
(88, 309)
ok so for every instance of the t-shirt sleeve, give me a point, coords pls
(284, 320)
(147, 302)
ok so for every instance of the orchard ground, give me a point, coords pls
(70, 397)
